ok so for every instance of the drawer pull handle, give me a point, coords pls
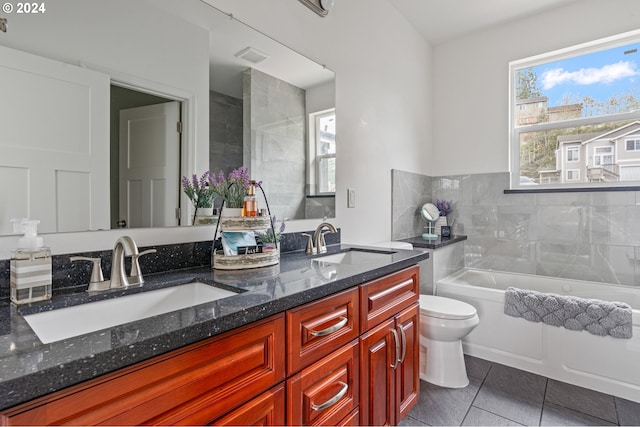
(396, 360)
(343, 321)
(333, 400)
(403, 337)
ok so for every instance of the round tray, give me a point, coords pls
(241, 262)
(244, 223)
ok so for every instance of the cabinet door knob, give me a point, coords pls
(333, 400)
(343, 321)
(396, 360)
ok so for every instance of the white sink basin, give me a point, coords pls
(56, 325)
(355, 257)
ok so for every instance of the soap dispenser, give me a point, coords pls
(30, 265)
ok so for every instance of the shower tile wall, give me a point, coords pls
(586, 236)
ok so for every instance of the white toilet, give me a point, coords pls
(443, 324)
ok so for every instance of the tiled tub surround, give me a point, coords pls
(30, 369)
(592, 236)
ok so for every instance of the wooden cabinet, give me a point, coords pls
(347, 359)
(264, 410)
(317, 328)
(389, 361)
(193, 385)
(326, 392)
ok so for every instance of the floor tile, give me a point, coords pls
(512, 394)
(628, 412)
(408, 421)
(439, 406)
(556, 415)
(480, 417)
(477, 368)
(583, 400)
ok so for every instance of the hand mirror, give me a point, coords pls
(429, 213)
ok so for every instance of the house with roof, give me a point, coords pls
(608, 156)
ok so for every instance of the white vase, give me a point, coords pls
(439, 223)
(228, 212)
(204, 211)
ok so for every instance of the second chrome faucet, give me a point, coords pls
(316, 244)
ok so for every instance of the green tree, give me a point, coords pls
(527, 84)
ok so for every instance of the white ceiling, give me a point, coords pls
(442, 20)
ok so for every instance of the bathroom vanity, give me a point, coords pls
(306, 342)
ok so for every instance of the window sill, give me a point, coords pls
(570, 190)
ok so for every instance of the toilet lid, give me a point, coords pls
(445, 308)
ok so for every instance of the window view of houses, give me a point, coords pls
(577, 119)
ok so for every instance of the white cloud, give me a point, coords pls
(587, 76)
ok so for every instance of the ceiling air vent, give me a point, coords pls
(252, 55)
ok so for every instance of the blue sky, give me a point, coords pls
(598, 75)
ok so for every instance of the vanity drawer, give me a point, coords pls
(383, 298)
(194, 385)
(317, 328)
(326, 392)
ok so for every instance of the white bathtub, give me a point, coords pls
(606, 364)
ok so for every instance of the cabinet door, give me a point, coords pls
(327, 391)
(378, 353)
(407, 372)
(316, 329)
(193, 385)
(264, 410)
(385, 297)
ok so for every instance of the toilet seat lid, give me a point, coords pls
(446, 308)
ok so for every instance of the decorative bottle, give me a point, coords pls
(250, 207)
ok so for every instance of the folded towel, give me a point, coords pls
(592, 315)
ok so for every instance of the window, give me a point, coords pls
(325, 151)
(603, 156)
(633, 144)
(580, 99)
(573, 154)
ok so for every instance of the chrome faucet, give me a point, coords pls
(124, 245)
(317, 245)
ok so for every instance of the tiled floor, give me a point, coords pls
(498, 395)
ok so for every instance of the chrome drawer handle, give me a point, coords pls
(333, 400)
(343, 321)
(403, 336)
(396, 360)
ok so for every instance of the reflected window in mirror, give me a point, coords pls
(324, 141)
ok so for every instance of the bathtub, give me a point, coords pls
(606, 364)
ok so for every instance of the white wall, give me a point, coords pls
(471, 76)
(383, 93)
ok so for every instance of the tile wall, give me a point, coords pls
(582, 235)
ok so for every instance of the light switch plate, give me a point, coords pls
(351, 197)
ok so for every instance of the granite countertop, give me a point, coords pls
(436, 242)
(29, 368)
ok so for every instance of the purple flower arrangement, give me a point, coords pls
(233, 188)
(199, 190)
(445, 207)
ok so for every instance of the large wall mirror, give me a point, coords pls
(85, 81)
